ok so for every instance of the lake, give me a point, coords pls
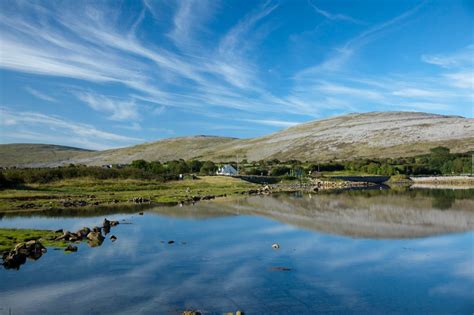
(350, 252)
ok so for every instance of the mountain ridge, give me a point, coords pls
(356, 135)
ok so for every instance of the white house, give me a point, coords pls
(228, 170)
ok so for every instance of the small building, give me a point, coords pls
(227, 170)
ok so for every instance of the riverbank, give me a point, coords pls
(89, 194)
(86, 193)
(443, 180)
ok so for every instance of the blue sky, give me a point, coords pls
(98, 74)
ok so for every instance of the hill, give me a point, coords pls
(20, 154)
(376, 135)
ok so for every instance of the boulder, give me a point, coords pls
(95, 236)
(96, 229)
(71, 248)
(83, 232)
(113, 238)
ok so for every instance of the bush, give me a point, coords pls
(208, 168)
(279, 171)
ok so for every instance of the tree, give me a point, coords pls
(178, 167)
(439, 151)
(279, 171)
(208, 168)
(156, 167)
(141, 164)
(194, 166)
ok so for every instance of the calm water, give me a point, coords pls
(383, 252)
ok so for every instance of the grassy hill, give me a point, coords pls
(378, 134)
(17, 154)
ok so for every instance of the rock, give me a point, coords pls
(59, 231)
(83, 232)
(140, 200)
(279, 268)
(74, 238)
(170, 242)
(113, 238)
(71, 248)
(276, 246)
(65, 237)
(106, 223)
(208, 197)
(114, 223)
(13, 260)
(106, 226)
(32, 249)
(95, 236)
(96, 229)
(239, 313)
(191, 313)
(140, 213)
(27, 205)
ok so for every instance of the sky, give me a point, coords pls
(106, 74)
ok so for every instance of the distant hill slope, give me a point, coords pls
(17, 154)
(378, 134)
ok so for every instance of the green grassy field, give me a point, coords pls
(115, 192)
(10, 237)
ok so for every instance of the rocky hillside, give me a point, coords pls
(20, 154)
(378, 134)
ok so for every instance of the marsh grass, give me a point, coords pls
(116, 192)
(10, 237)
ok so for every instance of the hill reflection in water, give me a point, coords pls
(366, 214)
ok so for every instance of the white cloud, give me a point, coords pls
(40, 95)
(274, 123)
(120, 110)
(464, 79)
(42, 127)
(416, 92)
(335, 17)
(462, 58)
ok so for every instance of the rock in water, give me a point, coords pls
(113, 238)
(71, 248)
(94, 236)
(276, 246)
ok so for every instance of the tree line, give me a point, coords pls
(440, 161)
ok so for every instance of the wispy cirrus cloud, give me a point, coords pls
(459, 67)
(41, 127)
(207, 58)
(118, 109)
(273, 122)
(334, 17)
(40, 95)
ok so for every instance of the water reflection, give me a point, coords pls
(222, 259)
(372, 214)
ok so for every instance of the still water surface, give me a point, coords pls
(357, 252)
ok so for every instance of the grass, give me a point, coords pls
(10, 237)
(116, 192)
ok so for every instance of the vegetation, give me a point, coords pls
(438, 162)
(10, 237)
(139, 169)
(111, 192)
(177, 181)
